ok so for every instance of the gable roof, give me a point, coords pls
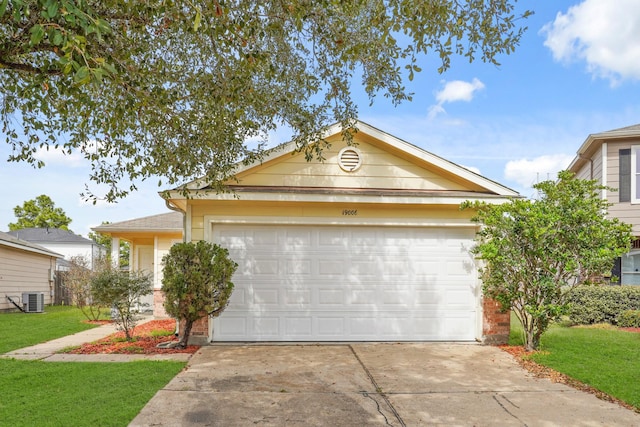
(462, 183)
(170, 222)
(50, 235)
(594, 141)
(10, 241)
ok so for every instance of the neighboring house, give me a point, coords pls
(150, 239)
(64, 242)
(613, 159)
(25, 268)
(368, 245)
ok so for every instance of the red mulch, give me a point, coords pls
(143, 342)
(522, 357)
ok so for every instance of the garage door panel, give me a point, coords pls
(333, 297)
(297, 298)
(231, 326)
(330, 326)
(265, 297)
(298, 267)
(265, 326)
(361, 297)
(348, 283)
(298, 328)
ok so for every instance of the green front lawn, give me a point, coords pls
(26, 329)
(604, 358)
(36, 393)
(70, 394)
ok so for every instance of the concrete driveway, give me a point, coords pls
(408, 384)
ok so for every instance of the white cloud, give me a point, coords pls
(527, 172)
(61, 156)
(603, 33)
(58, 156)
(453, 91)
(458, 90)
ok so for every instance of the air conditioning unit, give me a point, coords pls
(33, 302)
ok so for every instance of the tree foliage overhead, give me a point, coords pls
(536, 251)
(128, 82)
(40, 212)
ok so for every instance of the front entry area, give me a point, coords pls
(349, 283)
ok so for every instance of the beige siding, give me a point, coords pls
(164, 244)
(597, 167)
(379, 169)
(325, 211)
(22, 271)
(592, 168)
(625, 211)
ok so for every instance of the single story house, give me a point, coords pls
(149, 240)
(25, 268)
(368, 245)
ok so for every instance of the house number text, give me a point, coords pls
(350, 212)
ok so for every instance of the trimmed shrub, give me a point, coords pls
(629, 319)
(197, 282)
(601, 304)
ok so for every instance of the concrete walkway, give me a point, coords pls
(48, 351)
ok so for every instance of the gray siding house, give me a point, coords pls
(613, 159)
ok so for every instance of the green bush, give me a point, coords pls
(629, 319)
(196, 282)
(602, 304)
(122, 291)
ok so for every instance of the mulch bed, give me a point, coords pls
(523, 358)
(144, 342)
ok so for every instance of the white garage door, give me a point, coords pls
(316, 283)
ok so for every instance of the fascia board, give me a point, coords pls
(344, 198)
(599, 138)
(31, 249)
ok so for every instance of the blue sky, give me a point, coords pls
(576, 72)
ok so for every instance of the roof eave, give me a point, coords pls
(598, 138)
(137, 230)
(26, 248)
(382, 197)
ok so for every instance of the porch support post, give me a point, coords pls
(115, 252)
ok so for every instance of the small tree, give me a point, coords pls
(121, 290)
(196, 282)
(77, 280)
(536, 251)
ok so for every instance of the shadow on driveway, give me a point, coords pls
(389, 384)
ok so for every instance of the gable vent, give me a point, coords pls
(349, 159)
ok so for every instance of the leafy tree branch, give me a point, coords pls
(198, 79)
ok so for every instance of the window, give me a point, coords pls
(630, 269)
(624, 170)
(634, 175)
